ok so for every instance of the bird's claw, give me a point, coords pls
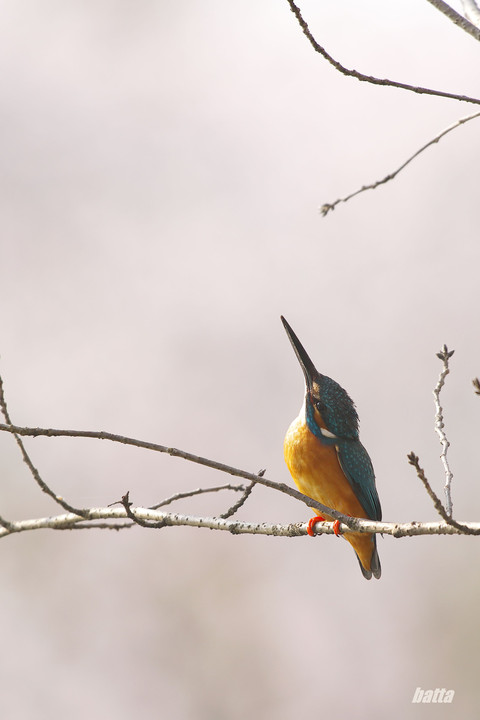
(311, 524)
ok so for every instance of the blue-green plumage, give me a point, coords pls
(357, 466)
(338, 412)
(336, 408)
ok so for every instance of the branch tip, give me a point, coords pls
(445, 354)
(125, 500)
(413, 459)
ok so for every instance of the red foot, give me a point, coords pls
(336, 526)
(311, 524)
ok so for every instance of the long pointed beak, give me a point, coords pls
(306, 364)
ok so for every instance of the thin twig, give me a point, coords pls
(456, 18)
(235, 527)
(198, 491)
(26, 458)
(325, 209)
(138, 520)
(444, 355)
(236, 506)
(414, 460)
(175, 452)
(466, 528)
(368, 78)
(246, 494)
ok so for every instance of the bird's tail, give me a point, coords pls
(375, 567)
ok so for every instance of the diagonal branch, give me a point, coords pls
(236, 506)
(472, 12)
(369, 78)
(437, 503)
(456, 18)
(26, 458)
(462, 527)
(325, 209)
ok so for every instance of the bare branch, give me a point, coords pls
(456, 17)
(183, 496)
(198, 491)
(175, 452)
(97, 526)
(444, 355)
(415, 461)
(446, 513)
(147, 515)
(466, 528)
(6, 524)
(369, 78)
(472, 11)
(138, 520)
(106, 518)
(236, 506)
(325, 209)
(26, 458)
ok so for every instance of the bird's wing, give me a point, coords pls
(357, 466)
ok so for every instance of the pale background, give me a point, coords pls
(162, 165)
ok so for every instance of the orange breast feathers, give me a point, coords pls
(316, 471)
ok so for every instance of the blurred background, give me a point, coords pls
(162, 166)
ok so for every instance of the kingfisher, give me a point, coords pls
(327, 460)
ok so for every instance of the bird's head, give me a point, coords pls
(330, 412)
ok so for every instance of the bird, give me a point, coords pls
(327, 461)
